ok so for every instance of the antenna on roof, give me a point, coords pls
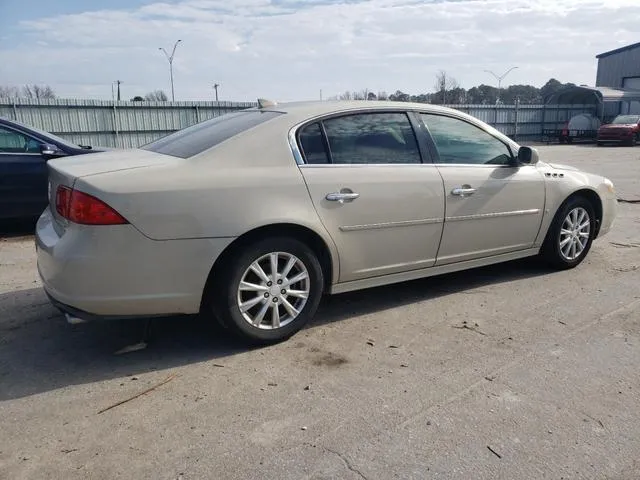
(264, 103)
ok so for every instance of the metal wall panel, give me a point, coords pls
(613, 68)
(131, 124)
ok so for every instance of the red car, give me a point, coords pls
(623, 129)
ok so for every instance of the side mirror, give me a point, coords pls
(527, 156)
(49, 150)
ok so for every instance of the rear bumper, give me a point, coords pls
(72, 312)
(116, 272)
(615, 138)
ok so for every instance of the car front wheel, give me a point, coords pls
(270, 290)
(570, 235)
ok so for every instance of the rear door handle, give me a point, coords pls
(343, 196)
(463, 191)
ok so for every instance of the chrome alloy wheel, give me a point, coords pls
(574, 233)
(273, 290)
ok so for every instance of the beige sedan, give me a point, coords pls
(251, 217)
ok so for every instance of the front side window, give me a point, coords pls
(460, 142)
(16, 142)
(372, 138)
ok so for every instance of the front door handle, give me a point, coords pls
(343, 196)
(463, 191)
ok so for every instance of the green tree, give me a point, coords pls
(549, 88)
(399, 97)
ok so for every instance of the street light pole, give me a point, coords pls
(170, 59)
(500, 78)
(115, 82)
(215, 87)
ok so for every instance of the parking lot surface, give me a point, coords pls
(510, 371)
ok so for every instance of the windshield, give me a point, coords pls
(200, 137)
(626, 119)
(48, 135)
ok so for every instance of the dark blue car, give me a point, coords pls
(24, 152)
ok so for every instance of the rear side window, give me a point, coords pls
(312, 144)
(196, 139)
(372, 138)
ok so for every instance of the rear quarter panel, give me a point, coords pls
(244, 183)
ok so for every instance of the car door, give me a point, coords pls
(381, 203)
(23, 175)
(493, 206)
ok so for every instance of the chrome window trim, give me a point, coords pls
(293, 133)
(458, 115)
(21, 154)
(476, 165)
(362, 165)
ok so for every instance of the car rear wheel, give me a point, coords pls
(571, 233)
(635, 140)
(269, 291)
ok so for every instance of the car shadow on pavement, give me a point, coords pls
(40, 352)
(339, 307)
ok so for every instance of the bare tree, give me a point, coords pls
(38, 92)
(157, 96)
(383, 95)
(361, 95)
(9, 92)
(346, 96)
(445, 83)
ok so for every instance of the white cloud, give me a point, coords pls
(290, 49)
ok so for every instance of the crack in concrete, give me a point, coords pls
(346, 462)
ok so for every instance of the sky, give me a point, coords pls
(293, 49)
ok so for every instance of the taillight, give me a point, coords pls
(85, 209)
(63, 195)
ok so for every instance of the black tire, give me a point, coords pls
(551, 251)
(599, 144)
(224, 294)
(634, 140)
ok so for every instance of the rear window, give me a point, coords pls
(197, 138)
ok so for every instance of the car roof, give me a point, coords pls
(316, 108)
(302, 112)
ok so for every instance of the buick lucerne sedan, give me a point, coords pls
(252, 216)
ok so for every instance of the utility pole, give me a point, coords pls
(118, 82)
(500, 78)
(215, 87)
(170, 59)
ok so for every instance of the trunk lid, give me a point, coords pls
(78, 166)
(65, 171)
